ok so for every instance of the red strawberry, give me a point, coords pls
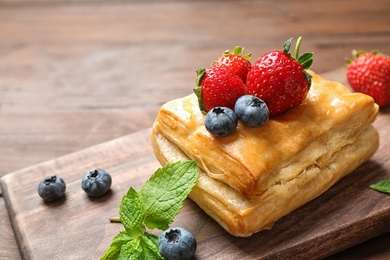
(280, 79)
(235, 61)
(217, 87)
(369, 73)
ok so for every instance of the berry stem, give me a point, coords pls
(297, 46)
(238, 50)
(115, 220)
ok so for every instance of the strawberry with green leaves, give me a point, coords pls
(280, 79)
(217, 87)
(236, 61)
(369, 73)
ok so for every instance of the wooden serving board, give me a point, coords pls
(78, 227)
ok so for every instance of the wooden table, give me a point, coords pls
(77, 73)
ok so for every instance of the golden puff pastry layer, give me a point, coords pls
(250, 160)
(242, 215)
(249, 178)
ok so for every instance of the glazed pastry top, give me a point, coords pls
(245, 159)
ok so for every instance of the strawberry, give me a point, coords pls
(217, 87)
(369, 73)
(235, 61)
(280, 79)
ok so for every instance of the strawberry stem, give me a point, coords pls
(297, 46)
(238, 50)
(306, 59)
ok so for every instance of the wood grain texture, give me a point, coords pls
(8, 244)
(65, 66)
(77, 73)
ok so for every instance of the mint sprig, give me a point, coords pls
(155, 206)
(381, 186)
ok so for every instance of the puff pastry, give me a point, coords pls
(255, 176)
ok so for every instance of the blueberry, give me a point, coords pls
(251, 110)
(51, 188)
(177, 243)
(220, 121)
(96, 182)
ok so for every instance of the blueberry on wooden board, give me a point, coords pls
(96, 182)
(51, 188)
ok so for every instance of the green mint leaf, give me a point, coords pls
(131, 250)
(155, 206)
(152, 237)
(143, 247)
(381, 186)
(164, 193)
(149, 244)
(130, 212)
(128, 247)
(117, 242)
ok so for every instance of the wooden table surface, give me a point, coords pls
(77, 73)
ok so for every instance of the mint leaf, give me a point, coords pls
(131, 250)
(381, 186)
(155, 206)
(130, 212)
(149, 247)
(152, 237)
(142, 247)
(164, 193)
(117, 242)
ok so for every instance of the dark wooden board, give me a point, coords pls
(78, 227)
